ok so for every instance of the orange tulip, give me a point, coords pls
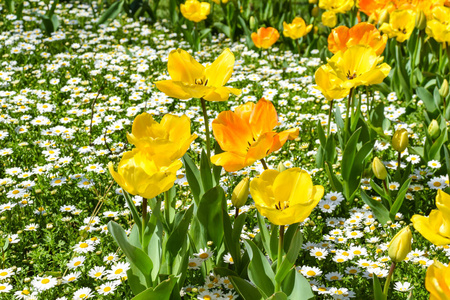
(246, 135)
(265, 37)
(364, 33)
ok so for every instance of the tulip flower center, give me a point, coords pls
(201, 81)
(350, 76)
(282, 206)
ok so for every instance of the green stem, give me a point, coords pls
(347, 115)
(205, 116)
(264, 164)
(399, 159)
(329, 118)
(167, 206)
(144, 217)
(280, 255)
(388, 193)
(388, 279)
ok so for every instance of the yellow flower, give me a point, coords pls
(329, 84)
(439, 26)
(296, 29)
(400, 245)
(194, 10)
(337, 6)
(171, 137)
(190, 79)
(358, 66)
(401, 25)
(140, 173)
(329, 19)
(437, 281)
(378, 168)
(240, 193)
(436, 227)
(287, 197)
(400, 140)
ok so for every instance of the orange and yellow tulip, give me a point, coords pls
(436, 227)
(296, 29)
(286, 197)
(190, 79)
(246, 135)
(437, 281)
(194, 10)
(342, 37)
(265, 37)
(337, 6)
(171, 137)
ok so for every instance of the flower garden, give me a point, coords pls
(224, 149)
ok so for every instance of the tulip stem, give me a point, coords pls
(280, 255)
(264, 164)
(399, 159)
(205, 116)
(329, 118)
(144, 216)
(347, 114)
(388, 279)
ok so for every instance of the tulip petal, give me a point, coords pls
(219, 72)
(422, 225)
(183, 67)
(232, 133)
(221, 94)
(293, 186)
(172, 89)
(230, 161)
(263, 118)
(261, 189)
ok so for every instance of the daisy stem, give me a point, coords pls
(264, 164)
(388, 279)
(280, 255)
(329, 118)
(205, 117)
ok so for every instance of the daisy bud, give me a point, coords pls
(240, 193)
(378, 169)
(400, 245)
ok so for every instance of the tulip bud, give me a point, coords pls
(384, 17)
(315, 11)
(281, 167)
(400, 245)
(400, 140)
(253, 25)
(434, 130)
(378, 169)
(312, 1)
(443, 91)
(240, 193)
(329, 19)
(421, 20)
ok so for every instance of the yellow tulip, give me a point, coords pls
(437, 281)
(378, 168)
(171, 137)
(400, 245)
(287, 197)
(436, 227)
(337, 6)
(296, 29)
(439, 26)
(401, 25)
(358, 66)
(140, 173)
(190, 79)
(240, 193)
(329, 84)
(329, 19)
(194, 10)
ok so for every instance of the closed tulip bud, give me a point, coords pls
(329, 19)
(434, 130)
(312, 1)
(315, 11)
(240, 193)
(281, 167)
(400, 245)
(400, 140)
(253, 25)
(378, 169)
(421, 20)
(384, 17)
(443, 91)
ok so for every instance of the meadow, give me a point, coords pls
(178, 150)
